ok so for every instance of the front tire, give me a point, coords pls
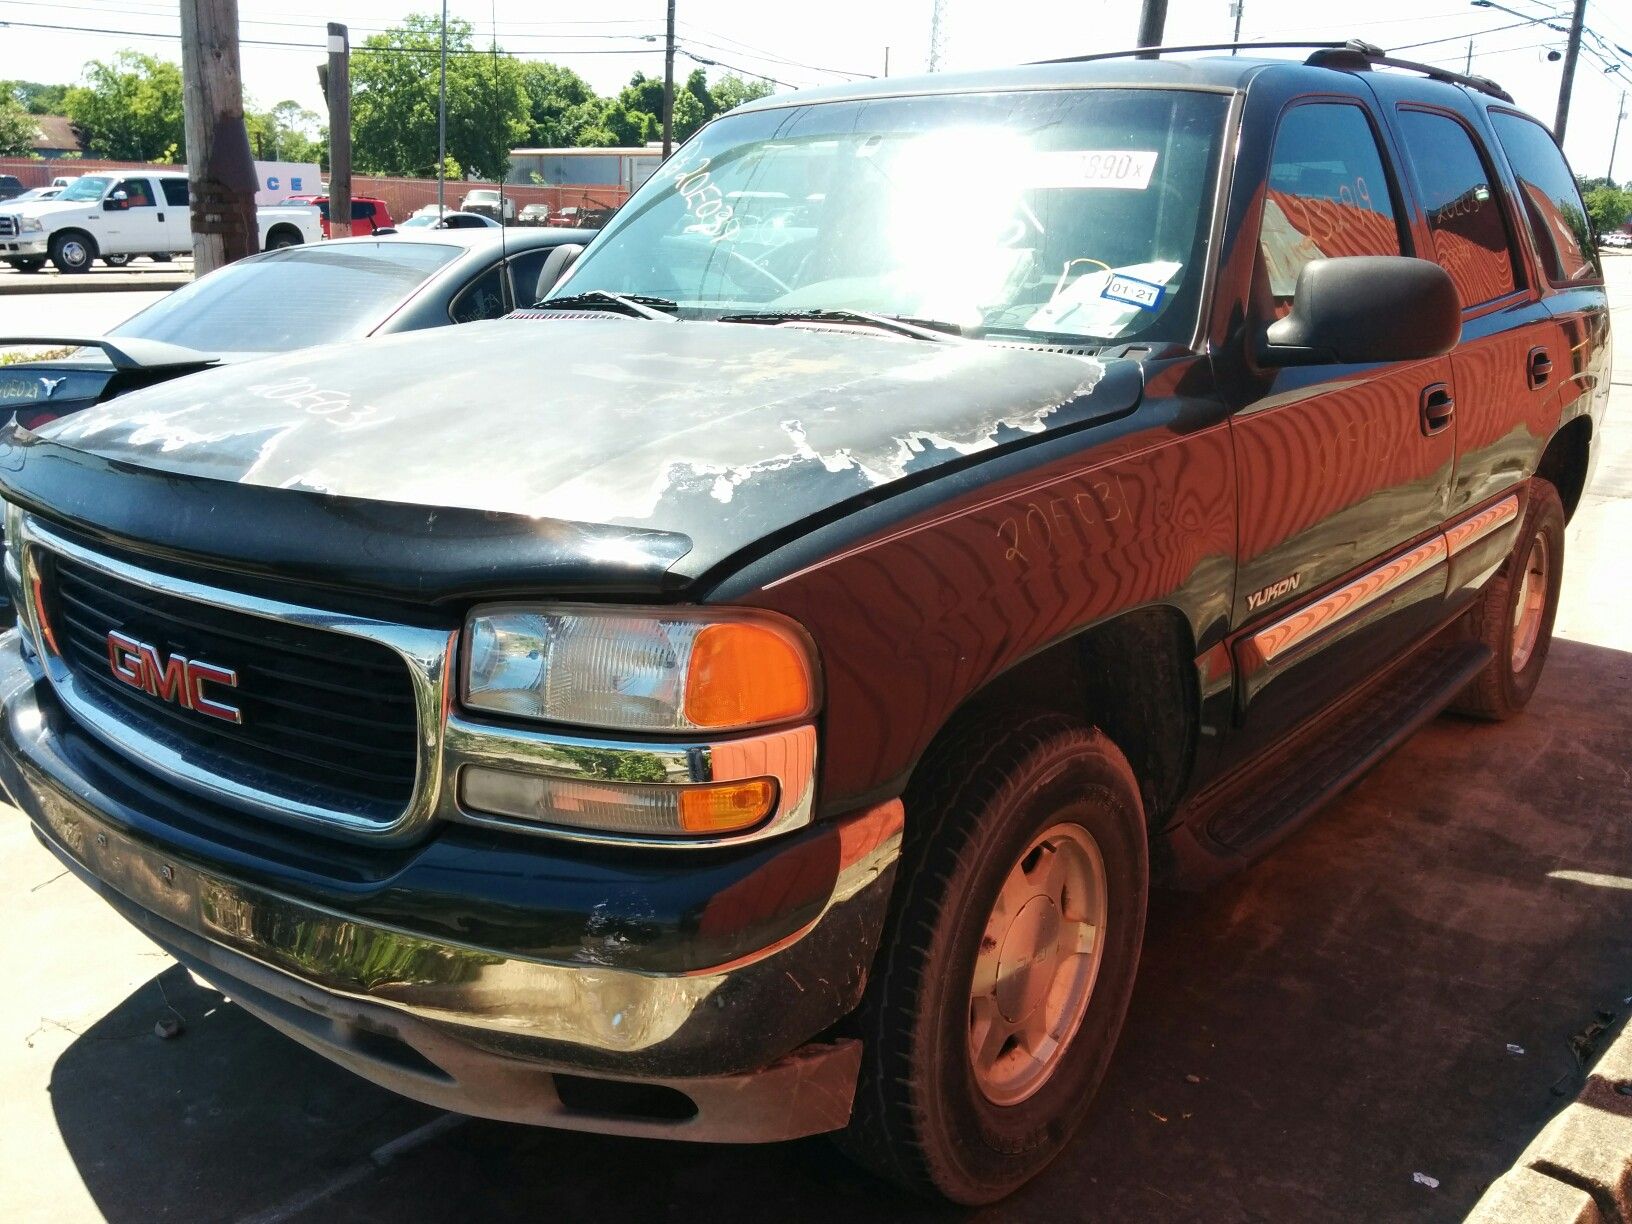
(27, 265)
(1005, 971)
(72, 251)
(1514, 615)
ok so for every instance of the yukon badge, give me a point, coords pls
(177, 678)
(1273, 592)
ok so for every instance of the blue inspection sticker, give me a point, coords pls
(1132, 291)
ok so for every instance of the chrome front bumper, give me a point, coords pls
(480, 1030)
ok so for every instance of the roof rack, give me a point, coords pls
(1357, 56)
(1352, 55)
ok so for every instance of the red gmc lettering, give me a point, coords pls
(177, 679)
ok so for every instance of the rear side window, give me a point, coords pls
(1328, 195)
(175, 191)
(1552, 204)
(1464, 209)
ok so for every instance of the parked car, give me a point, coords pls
(37, 193)
(574, 216)
(488, 202)
(10, 187)
(116, 216)
(534, 214)
(283, 300)
(1616, 238)
(751, 695)
(368, 215)
(430, 217)
(64, 180)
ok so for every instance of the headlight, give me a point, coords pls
(656, 669)
(31, 225)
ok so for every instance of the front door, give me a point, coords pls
(134, 226)
(1342, 484)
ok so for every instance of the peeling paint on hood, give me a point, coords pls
(700, 428)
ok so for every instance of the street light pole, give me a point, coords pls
(1572, 52)
(1152, 21)
(1616, 142)
(442, 123)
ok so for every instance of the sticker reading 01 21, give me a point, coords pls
(1132, 291)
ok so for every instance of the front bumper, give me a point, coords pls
(24, 247)
(716, 1052)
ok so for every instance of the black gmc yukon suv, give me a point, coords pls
(749, 696)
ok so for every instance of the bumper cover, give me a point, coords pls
(478, 1029)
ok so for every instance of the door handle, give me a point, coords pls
(1538, 368)
(1438, 408)
(161, 216)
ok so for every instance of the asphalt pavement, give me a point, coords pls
(1371, 1023)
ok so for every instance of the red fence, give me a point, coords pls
(401, 195)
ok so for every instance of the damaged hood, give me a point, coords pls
(722, 432)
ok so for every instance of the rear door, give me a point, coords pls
(1338, 480)
(1500, 382)
(177, 218)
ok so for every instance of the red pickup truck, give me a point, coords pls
(368, 215)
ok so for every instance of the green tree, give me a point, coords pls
(557, 98)
(732, 90)
(1609, 208)
(287, 132)
(36, 99)
(16, 127)
(625, 125)
(129, 108)
(394, 101)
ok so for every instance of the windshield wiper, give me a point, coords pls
(636, 304)
(918, 329)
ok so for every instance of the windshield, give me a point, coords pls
(292, 298)
(88, 188)
(1070, 215)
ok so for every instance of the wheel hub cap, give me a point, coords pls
(1038, 958)
(1531, 606)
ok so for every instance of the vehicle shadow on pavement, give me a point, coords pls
(1371, 1022)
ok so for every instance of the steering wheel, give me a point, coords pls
(764, 272)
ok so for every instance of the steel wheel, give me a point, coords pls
(1038, 960)
(1531, 607)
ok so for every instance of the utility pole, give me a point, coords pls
(442, 123)
(221, 178)
(1616, 142)
(1572, 52)
(339, 85)
(1236, 9)
(1467, 67)
(1152, 21)
(886, 61)
(937, 34)
(668, 88)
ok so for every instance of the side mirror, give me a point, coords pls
(116, 201)
(1366, 308)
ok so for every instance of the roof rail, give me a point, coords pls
(1154, 52)
(1352, 55)
(1357, 56)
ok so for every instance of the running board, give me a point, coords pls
(1243, 815)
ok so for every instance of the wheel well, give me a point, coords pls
(1132, 677)
(84, 235)
(282, 228)
(1565, 462)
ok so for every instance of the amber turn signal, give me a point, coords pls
(726, 807)
(745, 673)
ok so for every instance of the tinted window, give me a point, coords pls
(1327, 196)
(139, 193)
(1463, 206)
(292, 298)
(482, 299)
(1552, 205)
(175, 191)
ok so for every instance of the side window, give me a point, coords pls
(1327, 196)
(1552, 203)
(1464, 209)
(138, 193)
(483, 298)
(175, 192)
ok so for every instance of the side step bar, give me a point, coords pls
(1243, 815)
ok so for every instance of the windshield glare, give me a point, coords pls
(89, 188)
(292, 298)
(1071, 214)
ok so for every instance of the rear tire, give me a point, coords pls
(998, 997)
(72, 251)
(282, 236)
(1514, 615)
(117, 261)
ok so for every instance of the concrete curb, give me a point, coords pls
(141, 282)
(1578, 1170)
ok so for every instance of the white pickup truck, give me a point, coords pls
(115, 217)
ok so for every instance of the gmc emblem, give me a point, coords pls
(176, 679)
